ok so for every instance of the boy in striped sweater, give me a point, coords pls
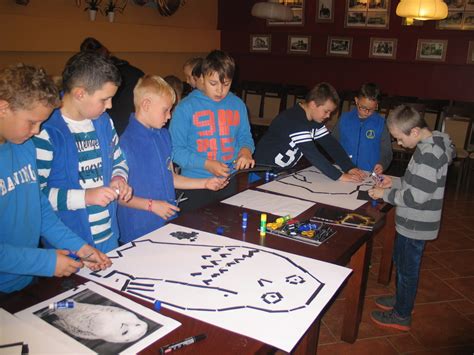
(81, 167)
(418, 197)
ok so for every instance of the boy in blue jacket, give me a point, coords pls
(27, 97)
(210, 131)
(151, 175)
(363, 133)
(82, 169)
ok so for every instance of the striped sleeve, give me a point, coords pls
(60, 199)
(120, 167)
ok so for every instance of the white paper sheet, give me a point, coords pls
(13, 330)
(101, 321)
(269, 203)
(310, 184)
(259, 292)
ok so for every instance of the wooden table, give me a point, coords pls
(349, 247)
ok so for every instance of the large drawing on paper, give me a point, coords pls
(311, 184)
(266, 294)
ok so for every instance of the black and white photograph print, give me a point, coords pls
(383, 48)
(339, 46)
(377, 19)
(377, 5)
(468, 21)
(325, 10)
(299, 44)
(297, 7)
(431, 50)
(453, 21)
(261, 43)
(455, 4)
(357, 5)
(99, 323)
(356, 19)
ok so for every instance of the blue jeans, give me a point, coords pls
(407, 258)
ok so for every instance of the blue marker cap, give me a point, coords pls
(245, 217)
(220, 230)
(157, 305)
(373, 203)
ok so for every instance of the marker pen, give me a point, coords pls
(244, 220)
(188, 341)
(263, 224)
(61, 305)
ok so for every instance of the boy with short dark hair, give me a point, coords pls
(418, 197)
(82, 169)
(27, 97)
(153, 203)
(363, 133)
(210, 131)
(294, 132)
(193, 73)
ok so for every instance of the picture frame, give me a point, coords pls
(299, 44)
(325, 11)
(385, 48)
(470, 53)
(339, 46)
(460, 16)
(260, 43)
(367, 14)
(297, 7)
(431, 50)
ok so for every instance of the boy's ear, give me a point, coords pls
(78, 92)
(415, 131)
(4, 106)
(146, 102)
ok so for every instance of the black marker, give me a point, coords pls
(175, 346)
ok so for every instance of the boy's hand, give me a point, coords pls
(346, 177)
(359, 174)
(100, 196)
(244, 160)
(94, 259)
(215, 183)
(65, 266)
(378, 169)
(119, 184)
(217, 168)
(376, 193)
(164, 209)
(385, 183)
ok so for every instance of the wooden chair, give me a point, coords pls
(433, 109)
(457, 122)
(294, 94)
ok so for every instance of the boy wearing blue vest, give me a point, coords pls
(418, 197)
(151, 175)
(27, 97)
(363, 133)
(81, 167)
(210, 131)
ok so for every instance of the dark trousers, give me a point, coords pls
(407, 258)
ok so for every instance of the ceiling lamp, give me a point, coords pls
(422, 10)
(272, 10)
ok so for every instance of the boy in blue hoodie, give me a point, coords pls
(210, 131)
(27, 97)
(151, 174)
(81, 167)
(363, 133)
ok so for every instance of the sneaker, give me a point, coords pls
(385, 302)
(391, 320)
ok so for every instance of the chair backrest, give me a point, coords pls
(459, 129)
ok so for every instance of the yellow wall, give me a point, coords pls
(48, 32)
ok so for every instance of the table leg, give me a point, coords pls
(309, 343)
(355, 293)
(388, 240)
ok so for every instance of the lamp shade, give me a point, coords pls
(272, 11)
(423, 9)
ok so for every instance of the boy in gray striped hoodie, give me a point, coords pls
(418, 197)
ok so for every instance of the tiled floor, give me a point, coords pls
(443, 319)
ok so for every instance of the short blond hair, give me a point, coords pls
(151, 84)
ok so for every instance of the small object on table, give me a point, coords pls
(263, 224)
(244, 220)
(188, 341)
(157, 305)
(67, 304)
(220, 230)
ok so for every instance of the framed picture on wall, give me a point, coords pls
(367, 13)
(297, 7)
(383, 48)
(339, 46)
(470, 53)
(299, 44)
(431, 50)
(261, 43)
(460, 16)
(325, 10)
